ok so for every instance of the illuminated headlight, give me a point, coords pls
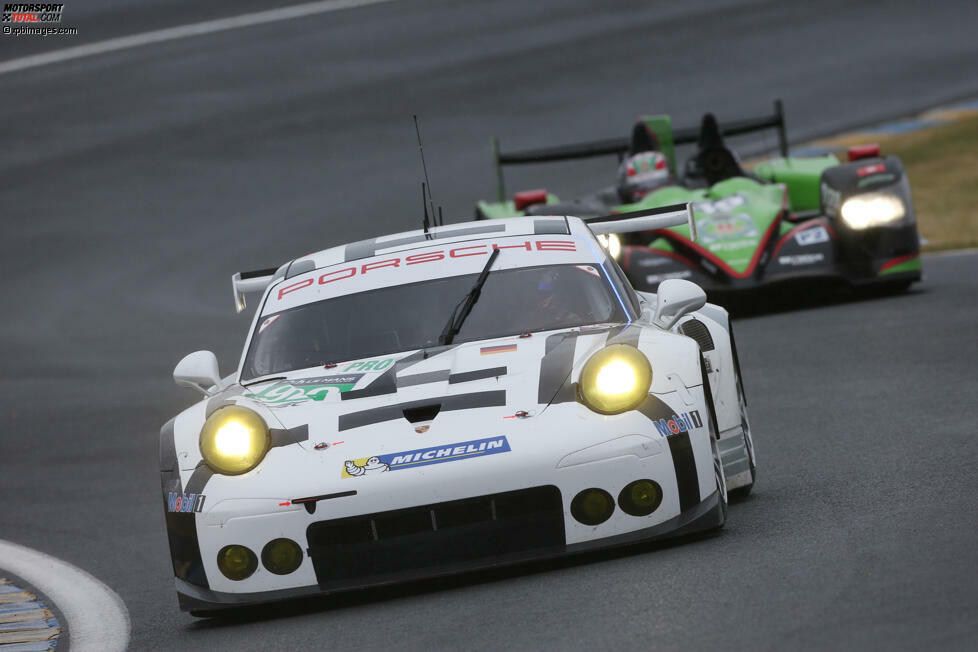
(611, 243)
(234, 440)
(616, 379)
(873, 209)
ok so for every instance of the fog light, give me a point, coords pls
(640, 498)
(236, 562)
(281, 556)
(592, 506)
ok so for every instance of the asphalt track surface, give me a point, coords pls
(135, 183)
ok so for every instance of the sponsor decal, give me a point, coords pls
(268, 322)
(708, 364)
(733, 244)
(590, 270)
(421, 429)
(484, 249)
(812, 236)
(801, 259)
(718, 222)
(867, 170)
(302, 390)
(684, 422)
(721, 206)
(658, 278)
(370, 365)
(424, 456)
(652, 261)
(831, 199)
(502, 348)
(185, 503)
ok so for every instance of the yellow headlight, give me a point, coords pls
(234, 440)
(872, 209)
(616, 379)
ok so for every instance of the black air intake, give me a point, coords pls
(431, 536)
(698, 331)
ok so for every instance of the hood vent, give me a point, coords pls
(422, 412)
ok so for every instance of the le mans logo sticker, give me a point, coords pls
(424, 456)
(303, 390)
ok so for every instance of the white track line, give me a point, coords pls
(951, 253)
(97, 617)
(182, 31)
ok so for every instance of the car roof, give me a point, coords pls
(447, 234)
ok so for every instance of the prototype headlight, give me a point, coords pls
(234, 440)
(616, 379)
(872, 209)
(612, 244)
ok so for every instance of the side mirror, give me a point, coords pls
(198, 370)
(675, 298)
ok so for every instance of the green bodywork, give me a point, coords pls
(495, 210)
(732, 215)
(800, 175)
(912, 265)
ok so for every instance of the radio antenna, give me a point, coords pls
(427, 183)
(425, 223)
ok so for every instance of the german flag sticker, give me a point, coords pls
(503, 348)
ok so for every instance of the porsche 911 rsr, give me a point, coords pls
(431, 402)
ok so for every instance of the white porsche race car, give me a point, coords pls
(436, 401)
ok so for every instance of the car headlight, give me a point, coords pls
(234, 440)
(872, 209)
(611, 244)
(616, 379)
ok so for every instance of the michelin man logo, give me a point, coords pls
(372, 465)
(462, 450)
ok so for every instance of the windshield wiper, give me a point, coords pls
(267, 379)
(457, 318)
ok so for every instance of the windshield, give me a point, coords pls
(409, 317)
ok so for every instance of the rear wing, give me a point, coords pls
(253, 282)
(619, 146)
(647, 220)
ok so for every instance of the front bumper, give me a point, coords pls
(706, 515)
(375, 532)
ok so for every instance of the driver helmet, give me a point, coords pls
(640, 174)
(552, 290)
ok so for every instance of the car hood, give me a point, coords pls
(511, 374)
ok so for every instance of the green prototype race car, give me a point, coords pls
(789, 218)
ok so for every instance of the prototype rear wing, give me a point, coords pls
(647, 220)
(619, 146)
(252, 282)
